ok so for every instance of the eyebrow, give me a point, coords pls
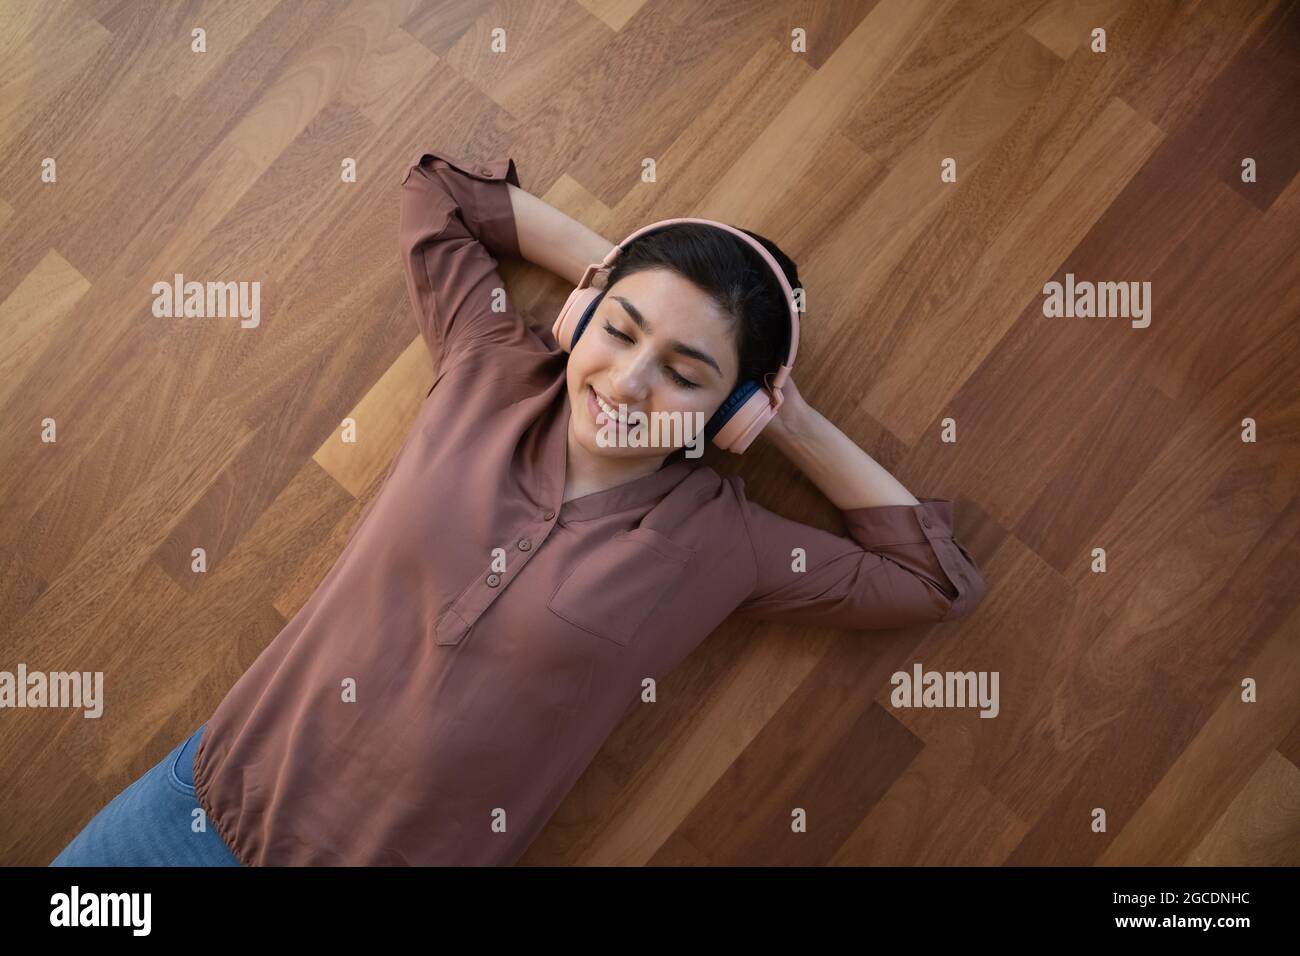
(674, 345)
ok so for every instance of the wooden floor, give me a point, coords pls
(1119, 691)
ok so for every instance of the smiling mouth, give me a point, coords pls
(598, 406)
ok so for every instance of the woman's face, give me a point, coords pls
(655, 343)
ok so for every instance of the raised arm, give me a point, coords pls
(900, 564)
(553, 239)
(842, 471)
(455, 223)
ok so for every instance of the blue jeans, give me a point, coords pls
(152, 822)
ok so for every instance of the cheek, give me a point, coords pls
(590, 351)
(692, 403)
(581, 362)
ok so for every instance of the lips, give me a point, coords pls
(594, 410)
(598, 414)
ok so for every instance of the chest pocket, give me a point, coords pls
(611, 592)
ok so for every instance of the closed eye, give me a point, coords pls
(616, 333)
(684, 383)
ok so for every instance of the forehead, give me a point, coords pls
(671, 304)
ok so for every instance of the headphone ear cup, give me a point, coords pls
(574, 316)
(728, 408)
(745, 424)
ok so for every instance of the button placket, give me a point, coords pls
(461, 616)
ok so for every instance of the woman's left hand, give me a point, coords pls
(792, 411)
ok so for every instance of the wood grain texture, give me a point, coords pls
(1120, 691)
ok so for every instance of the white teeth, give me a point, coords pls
(605, 407)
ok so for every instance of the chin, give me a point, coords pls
(589, 436)
(590, 441)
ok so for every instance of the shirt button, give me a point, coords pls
(524, 544)
(548, 514)
(486, 171)
(925, 522)
(493, 580)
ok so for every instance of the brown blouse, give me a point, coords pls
(495, 634)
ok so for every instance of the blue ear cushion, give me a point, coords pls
(586, 317)
(728, 408)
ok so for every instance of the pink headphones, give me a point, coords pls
(752, 404)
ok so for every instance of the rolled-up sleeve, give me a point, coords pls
(900, 566)
(456, 222)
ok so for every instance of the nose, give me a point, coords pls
(627, 381)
